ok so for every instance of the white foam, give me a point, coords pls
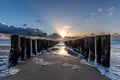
(41, 62)
(72, 66)
(9, 72)
(65, 64)
(114, 71)
(104, 71)
(3, 67)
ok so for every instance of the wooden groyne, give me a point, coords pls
(23, 47)
(94, 49)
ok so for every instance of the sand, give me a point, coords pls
(58, 70)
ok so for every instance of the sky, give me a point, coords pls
(75, 17)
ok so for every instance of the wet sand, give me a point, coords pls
(32, 71)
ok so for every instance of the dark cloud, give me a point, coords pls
(39, 21)
(21, 31)
(24, 25)
(2, 24)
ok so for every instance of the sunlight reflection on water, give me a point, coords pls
(61, 49)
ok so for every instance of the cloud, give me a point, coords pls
(100, 9)
(90, 18)
(39, 21)
(66, 27)
(87, 20)
(111, 10)
(2, 23)
(93, 14)
(24, 25)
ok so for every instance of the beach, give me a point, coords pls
(58, 64)
(55, 71)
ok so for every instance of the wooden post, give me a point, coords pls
(46, 44)
(28, 47)
(92, 48)
(105, 56)
(15, 50)
(78, 46)
(86, 47)
(38, 45)
(34, 47)
(70, 43)
(82, 42)
(42, 44)
(98, 49)
(50, 44)
(22, 46)
(73, 45)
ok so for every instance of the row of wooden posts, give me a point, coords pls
(94, 49)
(23, 48)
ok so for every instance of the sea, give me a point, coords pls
(113, 72)
(4, 53)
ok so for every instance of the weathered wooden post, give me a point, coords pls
(15, 50)
(48, 44)
(51, 43)
(45, 44)
(34, 47)
(66, 43)
(22, 46)
(70, 43)
(38, 45)
(78, 45)
(82, 42)
(86, 47)
(92, 48)
(98, 49)
(73, 45)
(105, 55)
(28, 47)
(42, 45)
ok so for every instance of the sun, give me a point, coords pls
(63, 34)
